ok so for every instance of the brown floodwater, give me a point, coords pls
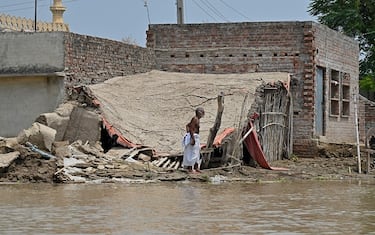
(317, 207)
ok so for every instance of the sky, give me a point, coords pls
(119, 19)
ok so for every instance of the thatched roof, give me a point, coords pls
(153, 108)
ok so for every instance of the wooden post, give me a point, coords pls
(216, 127)
(357, 134)
(213, 130)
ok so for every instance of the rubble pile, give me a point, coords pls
(80, 163)
(85, 163)
(19, 163)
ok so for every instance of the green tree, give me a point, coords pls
(355, 18)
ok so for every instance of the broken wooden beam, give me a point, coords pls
(214, 129)
(166, 163)
(161, 161)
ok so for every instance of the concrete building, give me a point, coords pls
(39, 69)
(29, 80)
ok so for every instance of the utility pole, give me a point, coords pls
(180, 11)
(35, 14)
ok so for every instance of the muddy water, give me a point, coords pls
(189, 208)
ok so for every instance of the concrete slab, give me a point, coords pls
(7, 158)
(83, 125)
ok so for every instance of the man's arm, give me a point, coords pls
(192, 125)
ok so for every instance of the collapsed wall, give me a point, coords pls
(152, 109)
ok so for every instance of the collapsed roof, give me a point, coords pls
(152, 109)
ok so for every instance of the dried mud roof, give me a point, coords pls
(152, 109)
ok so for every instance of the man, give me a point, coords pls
(191, 143)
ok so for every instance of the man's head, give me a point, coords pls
(199, 112)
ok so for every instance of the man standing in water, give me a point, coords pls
(191, 143)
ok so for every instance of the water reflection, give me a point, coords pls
(183, 208)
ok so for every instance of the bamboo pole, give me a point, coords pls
(357, 133)
(246, 135)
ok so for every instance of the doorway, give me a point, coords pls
(319, 102)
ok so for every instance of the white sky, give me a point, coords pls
(117, 19)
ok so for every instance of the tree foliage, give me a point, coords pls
(355, 18)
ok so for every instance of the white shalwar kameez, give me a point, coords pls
(191, 152)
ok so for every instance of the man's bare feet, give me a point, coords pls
(191, 171)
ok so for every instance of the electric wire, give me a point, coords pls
(32, 7)
(196, 3)
(234, 9)
(214, 10)
(15, 4)
(26, 8)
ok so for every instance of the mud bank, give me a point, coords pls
(84, 163)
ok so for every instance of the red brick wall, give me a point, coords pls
(90, 60)
(227, 48)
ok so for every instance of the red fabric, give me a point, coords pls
(121, 140)
(219, 138)
(255, 150)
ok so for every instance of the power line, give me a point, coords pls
(26, 8)
(204, 10)
(32, 7)
(16, 4)
(214, 10)
(235, 10)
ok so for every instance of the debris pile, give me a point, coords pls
(85, 163)
(19, 163)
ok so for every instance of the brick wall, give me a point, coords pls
(227, 48)
(294, 47)
(244, 47)
(337, 52)
(366, 116)
(90, 60)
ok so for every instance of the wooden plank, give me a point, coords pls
(177, 165)
(161, 161)
(166, 163)
(173, 163)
